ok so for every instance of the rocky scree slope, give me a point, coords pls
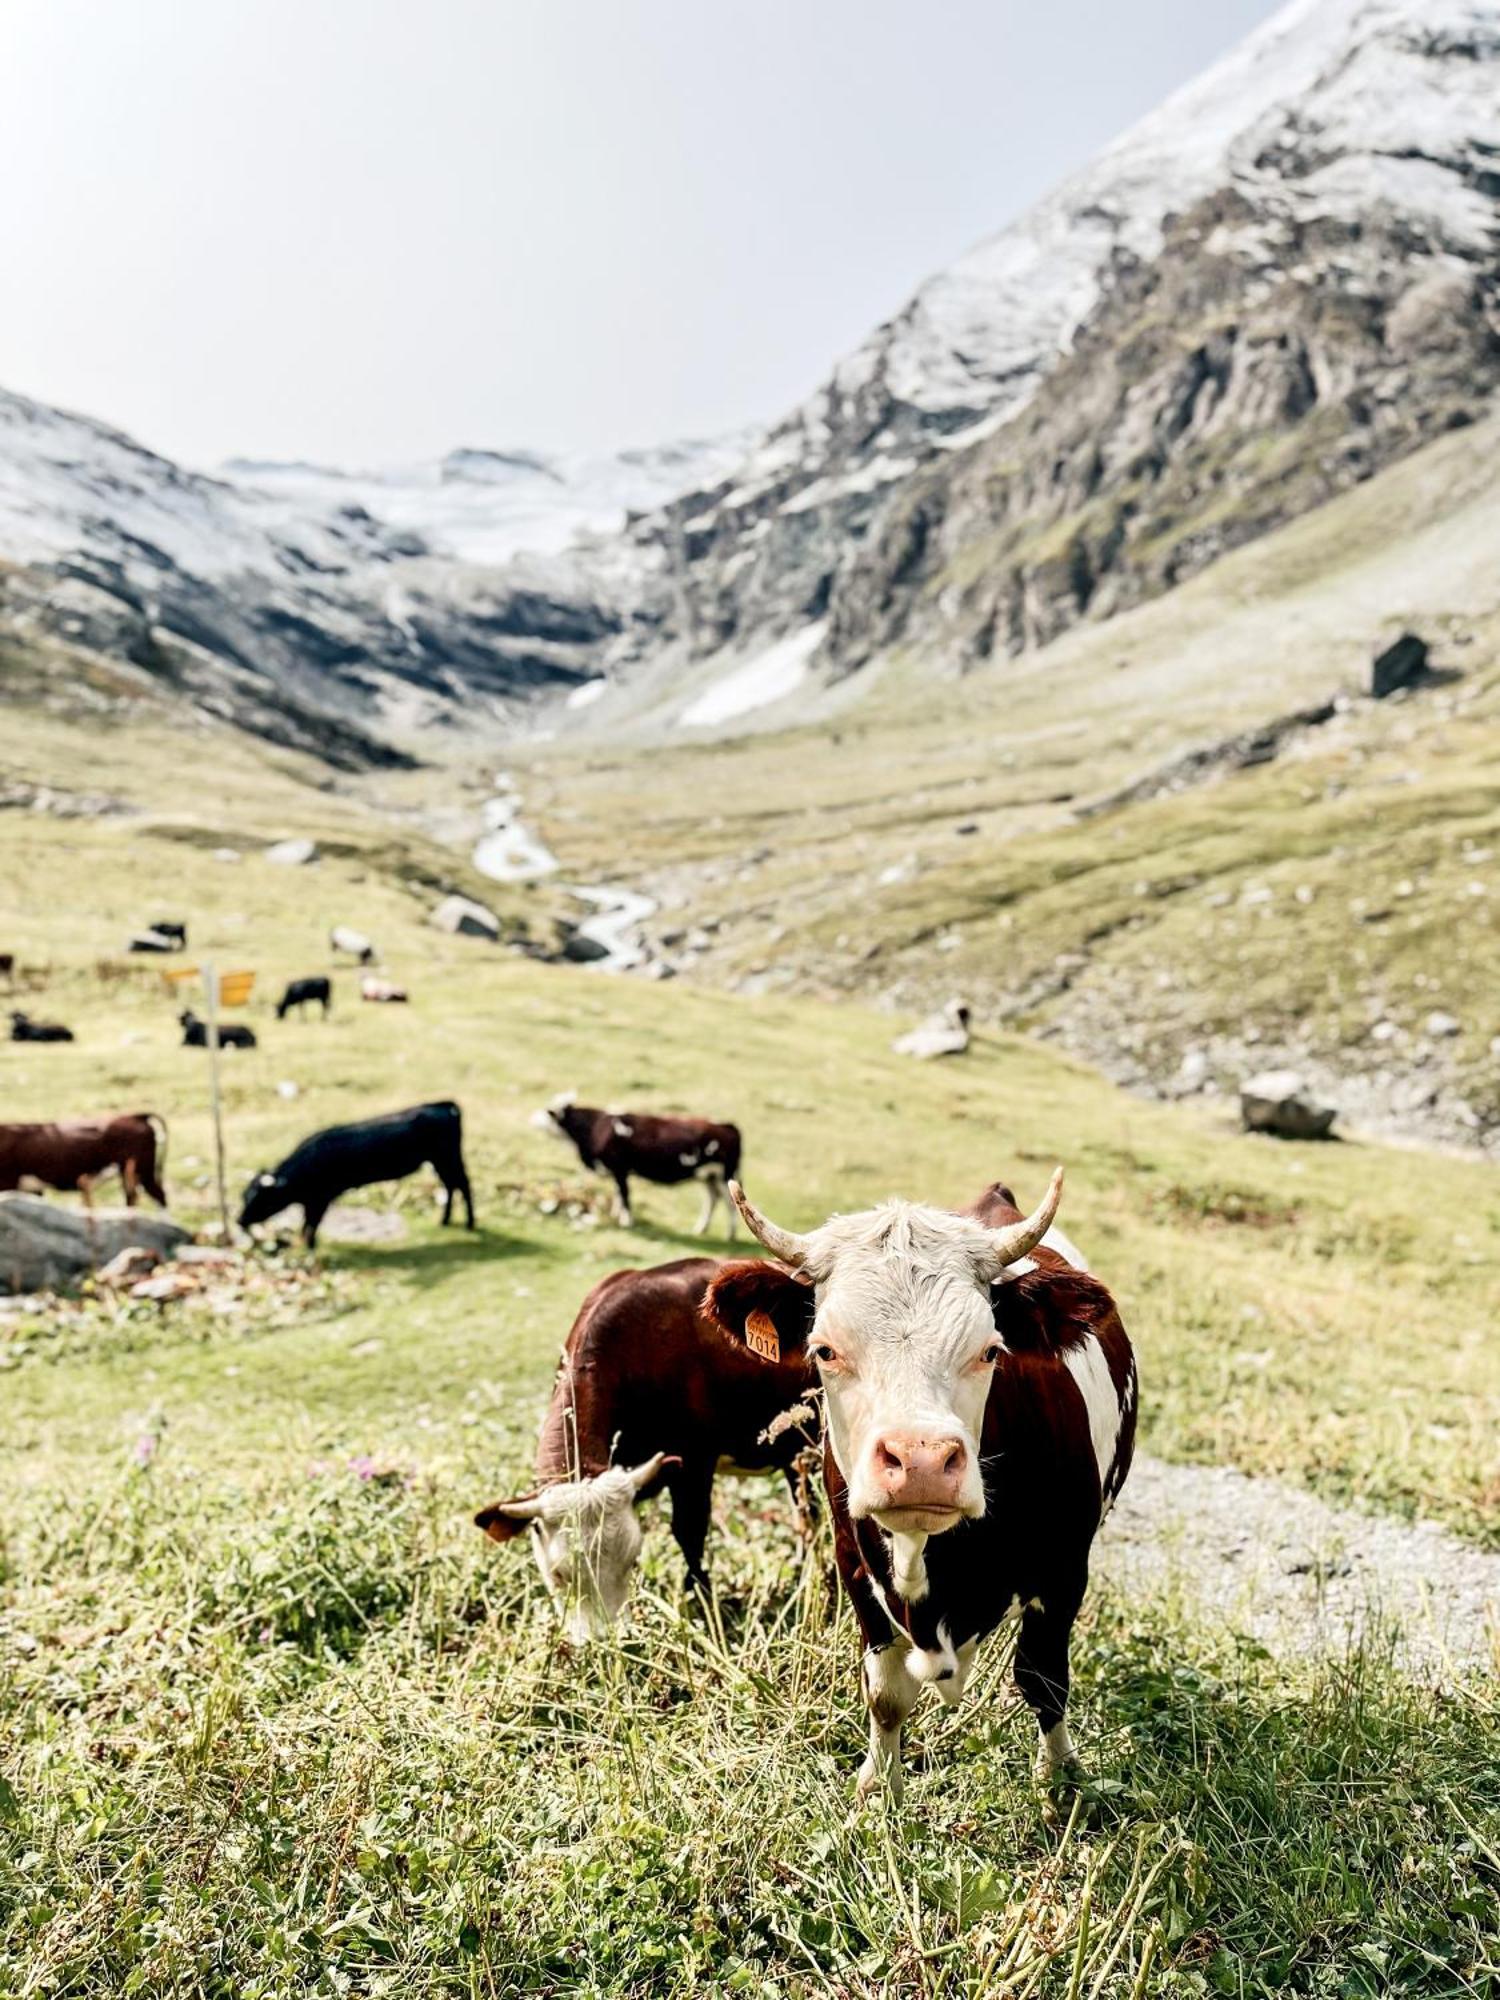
(1282, 280)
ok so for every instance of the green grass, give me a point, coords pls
(275, 1720)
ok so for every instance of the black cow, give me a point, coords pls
(342, 1157)
(176, 932)
(24, 1029)
(300, 991)
(153, 940)
(231, 1036)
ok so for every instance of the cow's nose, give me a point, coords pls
(920, 1471)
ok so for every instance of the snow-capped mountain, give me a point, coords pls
(329, 611)
(1300, 243)
(485, 507)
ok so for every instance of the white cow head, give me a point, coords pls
(550, 1117)
(893, 1306)
(587, 1540)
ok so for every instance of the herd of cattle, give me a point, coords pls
(966, 1384)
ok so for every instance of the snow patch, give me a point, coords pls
(770, 676)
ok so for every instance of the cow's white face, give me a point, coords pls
(902, 1333)
(587, 1540)
(550, 1117)
(904, 1341)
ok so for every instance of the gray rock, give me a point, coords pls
(44, 1246)
(292, 853)
(1278, 1101)
(945, 1033)
(1401, 665)
(1442, 1026)
(461, 917)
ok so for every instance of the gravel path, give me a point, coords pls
(1299, 1575)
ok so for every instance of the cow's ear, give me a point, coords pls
(765, 1307)
(506, 1518)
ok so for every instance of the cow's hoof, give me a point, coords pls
(880, 1781)
(1060, 1787)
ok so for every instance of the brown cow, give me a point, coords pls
(980, 1409)
(649, 1395)
(75, 1152)
(664, 1150)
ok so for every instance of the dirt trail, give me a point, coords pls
(1302, 1576)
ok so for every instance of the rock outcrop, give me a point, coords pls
(44, 1246)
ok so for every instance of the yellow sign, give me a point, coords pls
(235, 988)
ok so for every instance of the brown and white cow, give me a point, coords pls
(650, 1396)
(75, 1152)
(980, 1397)
(664, 1150)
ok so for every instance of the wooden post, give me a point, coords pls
(211, 997)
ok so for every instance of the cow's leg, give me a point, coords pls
(710, 1202)
(154, 1188)
(449, 1190)
(692, 1487)
(312, 1222)
(85, 1186)
(131, 1179)
(890, 1692)
(622, 1188)
(463, 1188)
(1042, 1678)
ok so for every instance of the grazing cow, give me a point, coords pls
(231, 1034)
(153, 940)
(300, 991)
(354, 944)
(649, 1395)
(665, 1150)
(980, 1416)
(384, 991)
(75, 1152)
(342, 1157)
(24, 1029)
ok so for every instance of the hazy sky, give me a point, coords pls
(361, 230)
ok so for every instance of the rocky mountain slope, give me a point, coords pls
(329, 613)
(1283, 279)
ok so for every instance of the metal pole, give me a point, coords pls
(211, 997)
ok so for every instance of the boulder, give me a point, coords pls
(1278, 1101)
(292, 853)
(44, 1246)
(945, 1033)
(1401, 665)
(463, 918)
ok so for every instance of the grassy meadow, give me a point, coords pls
(275, 1720)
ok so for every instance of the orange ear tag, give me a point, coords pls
(761, 1336)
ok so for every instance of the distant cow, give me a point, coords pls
(75, 1152)
(381, 990)
(980, 1406)
(24, 1029)
(354, 944)
(665, 1150)
(176, 932)
(231, 1034)
(7, 966)
(649, 1396)
(342, 1157)
(153, 940)
(300, 991)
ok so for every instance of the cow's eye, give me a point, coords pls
(991, 1354)
(824, 1355)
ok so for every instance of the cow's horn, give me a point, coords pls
(793, 1250)
(641, 1476)
(1019, 1239)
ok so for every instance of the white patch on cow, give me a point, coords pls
(1088, 1365)
(683, 1159)
(587, 1540)
(951, 1691)
(934, 1663)
(1055, 1751)
(1065, 1248)
(909, 1566)
(711, 1148)
(622, 1128)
